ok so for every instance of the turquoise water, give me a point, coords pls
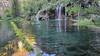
(62, 43)
(75, 42)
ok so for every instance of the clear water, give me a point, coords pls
(72, 43)
(52, 42)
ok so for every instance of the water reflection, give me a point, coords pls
(49, 42)
(58, 13)
(73, 43)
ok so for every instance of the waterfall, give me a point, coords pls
(37, 20)
(37, 17)
(58, 17)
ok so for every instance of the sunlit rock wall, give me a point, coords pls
(4, 4)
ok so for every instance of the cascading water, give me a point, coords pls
(37, 17)
(58, 14)
(37, 20)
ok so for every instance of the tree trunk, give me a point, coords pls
(15, 7)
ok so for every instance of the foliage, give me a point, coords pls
(8, 12)
(32, 6)
(21, 36)
(74, 9)
(85, 22)
(28, 8)
(92, 10)
(97, 22)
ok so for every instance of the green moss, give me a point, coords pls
(21, 36)
(85, 22)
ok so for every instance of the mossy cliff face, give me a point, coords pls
(6, 33)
